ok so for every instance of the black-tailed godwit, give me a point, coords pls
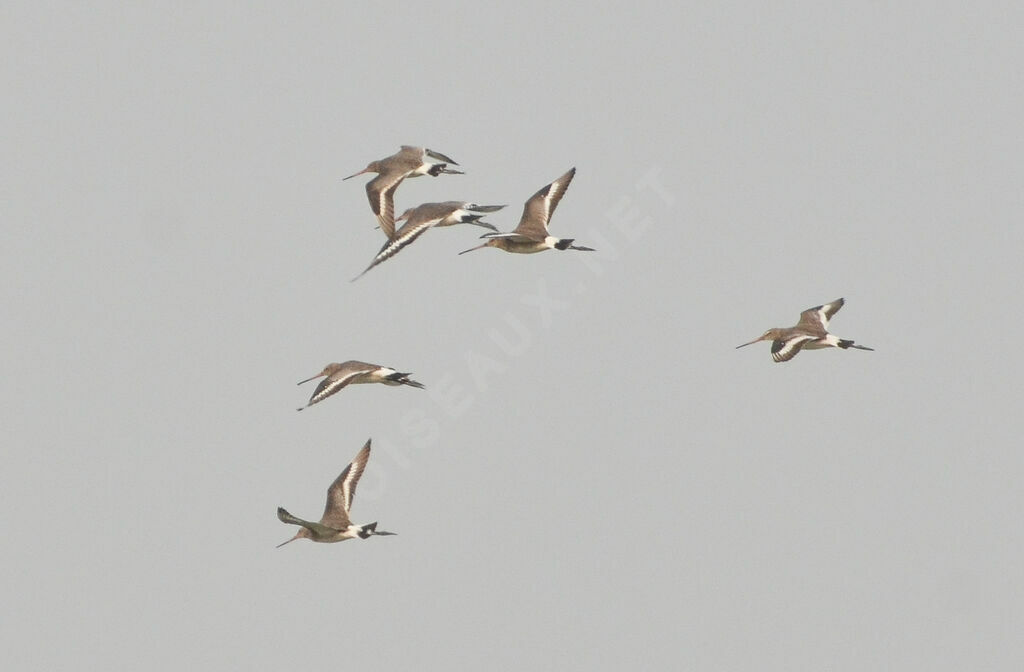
(407, 162)
(532, 233)
(353, 373)
(335, 524)
(427, 216)
(811, 332)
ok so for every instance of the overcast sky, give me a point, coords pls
(594, 477)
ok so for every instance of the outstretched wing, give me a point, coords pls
(439, 156)
(818, 317)
(409, 232)
(538, 210)
(343, 489)
(286, 517)
(511, 235)
(336, 381)
(783, 351)
(380, 191)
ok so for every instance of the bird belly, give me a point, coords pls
(829, 341)
(527, 248)
(381, 376)
(351, 532)
(334, 536)
(378, 376)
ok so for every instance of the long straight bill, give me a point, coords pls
(478, 247)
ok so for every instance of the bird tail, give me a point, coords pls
(566, 244)
(404, 379)
(845, 343)
(369, 530)
(439, 168)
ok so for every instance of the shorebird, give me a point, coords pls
(810, 332)
(335, 524)
(429, 215)
(407, 162)
(532, 233)
(351, 373)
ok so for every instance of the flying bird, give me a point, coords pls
(532, 233)
(810, 332)
(427, 216)
(407, 162)
(352, 373)
(335, 524)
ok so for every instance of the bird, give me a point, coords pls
(351, 373)
(407, 162)
(810, 332)
(532, 233)
(335, 524)
(429, 215)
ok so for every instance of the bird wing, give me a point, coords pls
(380, 191)
(343, 489)
(410, 231)
(286, 517)
(513, 236)
(783, 351)
(538, 210)
(318, 529)
(439, 156)
(338, 380)
(425, 212)
(818, 317)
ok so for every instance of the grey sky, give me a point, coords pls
(594, 478)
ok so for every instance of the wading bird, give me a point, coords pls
(352, 373)
(532, 233)
(811, 332)
(335, 524)
(407, 162)
(427, 216)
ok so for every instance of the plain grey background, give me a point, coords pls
(594, 478)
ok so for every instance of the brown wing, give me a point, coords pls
(380, 191)
(538, 210)
(816, 319)
(339, 379)
(409, 232)
(343, 489)
(432, 212)
(783, 351)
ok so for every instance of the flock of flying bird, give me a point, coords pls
(530, 236)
